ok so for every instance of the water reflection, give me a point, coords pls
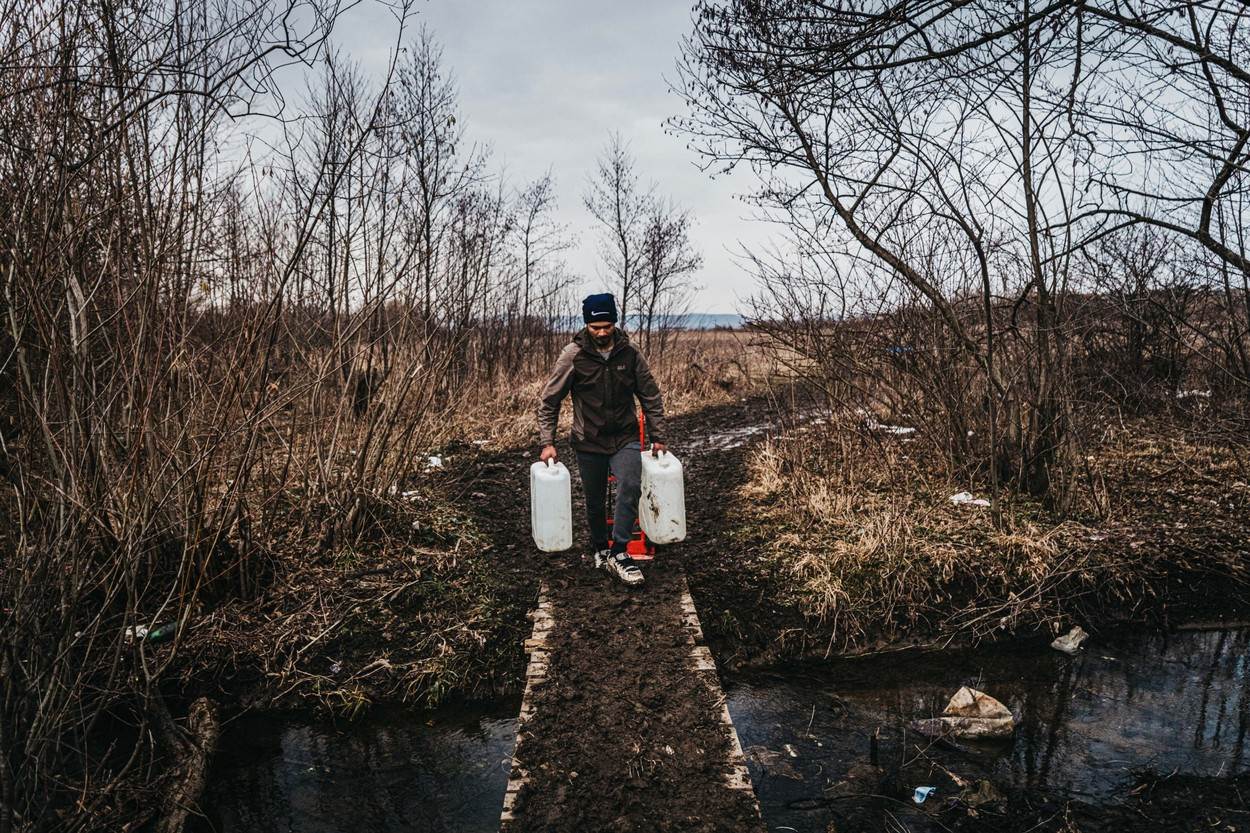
(396, 770)
(1172, 703)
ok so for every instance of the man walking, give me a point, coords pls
(604, 372)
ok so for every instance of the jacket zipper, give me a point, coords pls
(607, 378)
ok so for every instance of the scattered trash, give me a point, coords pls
(435, 462)
(1190, 394)
(481, 443)
(668, 750)
(871, 423)
(409, 495)
(922, 793)
(983, 793)
(1071, 641)
(336, 667)
(966, 499)
(790, 751)
(162, 633)
(772, 762)
(156, 635)
(970, 714)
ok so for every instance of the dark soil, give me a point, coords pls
(624, 737)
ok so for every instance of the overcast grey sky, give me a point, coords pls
(543, 82)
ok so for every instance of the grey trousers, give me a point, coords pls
(626, 464)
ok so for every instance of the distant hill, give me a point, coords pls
(710, 320)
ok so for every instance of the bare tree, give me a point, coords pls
(619, 204)
(669, 259)
(921, 158)
(439, 165)
(542, 242)
(645, 242)
(190, 338)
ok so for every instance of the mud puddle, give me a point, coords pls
(1129, 710)
(394, 770)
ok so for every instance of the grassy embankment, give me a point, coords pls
(854, 539)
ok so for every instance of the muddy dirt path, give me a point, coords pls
(625, 736)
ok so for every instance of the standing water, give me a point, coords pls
(395, 770)
(1088, 725)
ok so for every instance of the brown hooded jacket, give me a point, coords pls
(604, 420)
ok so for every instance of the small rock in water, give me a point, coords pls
(1071, 641)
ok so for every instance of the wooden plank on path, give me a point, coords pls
(739, 778)
(535, 673)
(700, 662)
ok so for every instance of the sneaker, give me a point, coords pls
(601, 557)
(623, 567)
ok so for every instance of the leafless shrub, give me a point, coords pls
(956, 184)
(218, 330)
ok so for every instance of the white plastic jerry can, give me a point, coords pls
(662, 505)
(551, 506)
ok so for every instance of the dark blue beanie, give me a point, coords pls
(599, 308)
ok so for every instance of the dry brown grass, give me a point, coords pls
(872, 550)
(695, 370)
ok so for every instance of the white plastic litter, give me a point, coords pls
(136, 632)
(966, 499)
(1071, 641)
(551, 506)
(922, 793)
(662, 503)
(970, 714)
(435, 462)
(1190, 394)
